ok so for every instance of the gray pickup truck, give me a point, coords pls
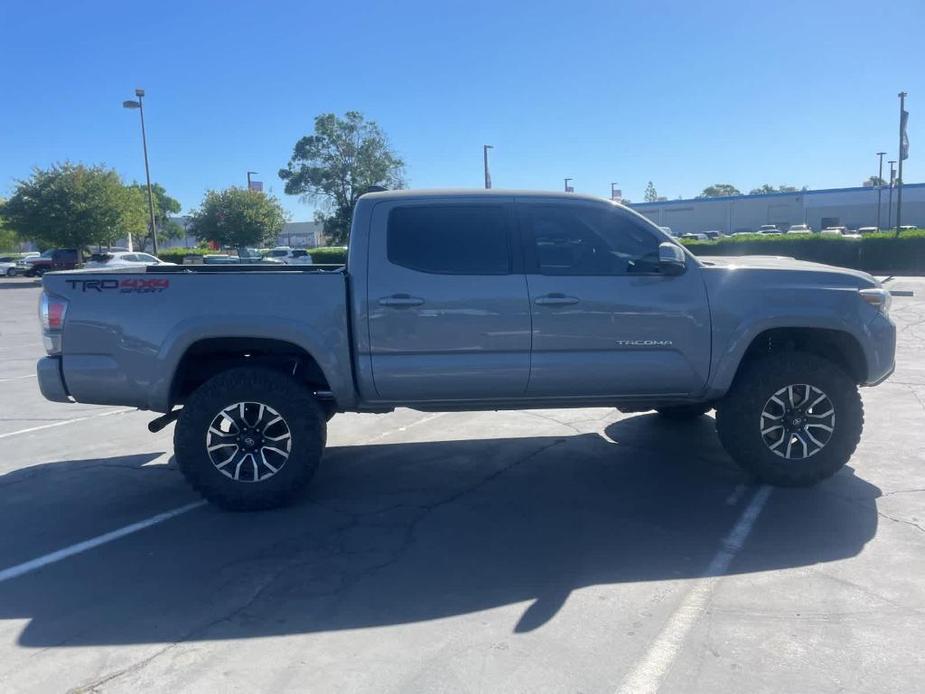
(473, 300)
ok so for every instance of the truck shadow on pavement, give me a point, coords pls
(399, 533)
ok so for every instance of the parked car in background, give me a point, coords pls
(768, 229)
(834, 231)
(22, 263)
(226, 259)
(52, 260)
(800, 229)
(695, 236)
(290, 256)
(8, 265)
(667, 230)
(868, 230)
(713, 234)
(907, 227)
(112, 260)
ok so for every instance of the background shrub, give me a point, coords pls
(880, 253)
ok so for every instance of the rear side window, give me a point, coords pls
(451, 239)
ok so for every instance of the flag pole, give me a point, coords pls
(903, 153)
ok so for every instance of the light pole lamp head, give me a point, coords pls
(139, 92)
(130, 104)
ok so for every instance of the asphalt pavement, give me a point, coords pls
(529, 551)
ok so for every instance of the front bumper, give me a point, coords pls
(881, 350)
(51, 381)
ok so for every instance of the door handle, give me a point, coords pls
(556, 299)
(400, 300)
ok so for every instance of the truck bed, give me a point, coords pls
(127, 331)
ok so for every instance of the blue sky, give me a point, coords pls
(685, 94)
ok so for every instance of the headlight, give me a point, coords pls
(879, 298)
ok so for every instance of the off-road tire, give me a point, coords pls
(682, 413)
(295, 404)
(739, 418)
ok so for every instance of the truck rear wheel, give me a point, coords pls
(250, 439)
(791, 419)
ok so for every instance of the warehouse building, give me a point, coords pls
(848, 207)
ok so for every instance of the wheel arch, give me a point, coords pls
(210, 356)
(838, 346)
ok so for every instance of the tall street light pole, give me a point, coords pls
(249, 174)
(140, 93)
(485, 149)
(889, 205)
(567, 189)
(902, 155)
(879, 187)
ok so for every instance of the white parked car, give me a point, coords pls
(768, 229)
(695, 236)
(8, 265)
(116, 259)
(800, 229)
(290, 256)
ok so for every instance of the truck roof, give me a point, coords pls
(478, 193)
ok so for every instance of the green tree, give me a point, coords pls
(651, 195)
(238, 217)
(719, 190)
(766, 188)
(337, 164)
(164, 206)
(874, 181)
(9, 240)
(74, 206)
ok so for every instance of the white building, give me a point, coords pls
(295, 234)
(849, 207)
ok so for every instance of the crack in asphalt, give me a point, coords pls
(901, 520)
(344, 582)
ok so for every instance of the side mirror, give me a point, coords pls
(671, 258)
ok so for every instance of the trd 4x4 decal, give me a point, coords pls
(126, 286)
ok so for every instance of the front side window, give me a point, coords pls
(586, 240)
(451, 239)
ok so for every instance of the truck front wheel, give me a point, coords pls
(791, 419)
(250, 439)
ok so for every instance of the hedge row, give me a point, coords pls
(336, 255)
(878, 253)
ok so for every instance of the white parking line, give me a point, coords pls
(39, 562)
(63, 422)
(649, 673)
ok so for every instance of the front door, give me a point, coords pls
(606, 321)
(449, 317)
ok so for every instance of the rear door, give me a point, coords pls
(606, 321)
(448, 312)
